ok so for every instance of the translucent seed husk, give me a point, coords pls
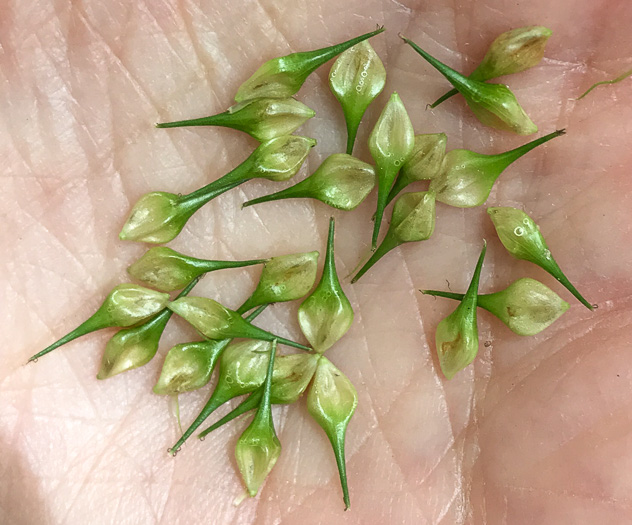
(326, 315)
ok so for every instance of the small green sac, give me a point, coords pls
(326, 315)
(526, 306)
(158, 217)
(284, 278)
(466, 178)
(511, 52)
(262, 118)
(413, 220)
(521, 236)
(616, 80)
(167, 270)
(283, 76)
(456, 337)
(258, 448)
(424, 162)
(125, 305)
(241, 371)
(215, 321)
(391, 144)
(356, 79)
(331, 401)
(189, 366)
(341, 181)
(292, 375)
(493, 104)
(134, 347)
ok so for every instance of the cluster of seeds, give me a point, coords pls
(266, 110)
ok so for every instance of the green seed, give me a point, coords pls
(466, 178)
(456, 337)
(391, 144)
(356, 79)
(493, 104)
(326, 315)
(521, 237)
(511, 52)
(262, 118)
(341, 181)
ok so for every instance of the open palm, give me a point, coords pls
(537, 430)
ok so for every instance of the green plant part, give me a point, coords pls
(356, 79)
(331, 401)
(158, 217)
(258, 448)
(521, 237)
(341, 181)
(284, 278)
(189, 366)
(326, 315)
(167, 270)
(215, 321)
(391, 144)
(242, 369)
(283, 76)
(457, 335)
(526, 306)
(292, 375)
(466, 178)
(125, 305)
(511, 52)
(424, 163)
(262, 118)
(493, 104)
(413, 220)
(134, 347)
(621, 77)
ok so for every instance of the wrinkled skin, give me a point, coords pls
(538, 430)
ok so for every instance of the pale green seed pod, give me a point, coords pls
(280, 159)
(168, 270)
(258, 448)
(493, 104)
(467, 178)
(326, 315)
(284, 278)
(215, 321)
(356, 79)
(292, 375)
(413, 220)
(188, 366)
(512, 52)
(283, 76)
(526, 306)
(521, 237)
(341, 181)
(158, 217)
(331, 401)
(125, 305)
(262, 118)
(456, 337)
(424, 163)
(391, 144)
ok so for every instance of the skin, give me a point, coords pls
(536, 431)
